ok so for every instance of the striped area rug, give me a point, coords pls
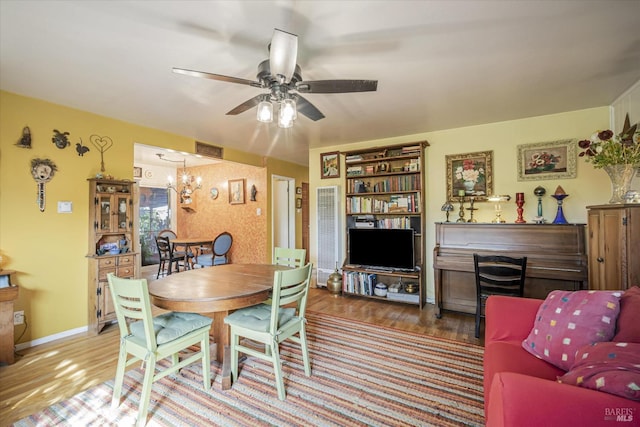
(362, 375)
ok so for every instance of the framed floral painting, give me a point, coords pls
(547, 160)
(470, 175)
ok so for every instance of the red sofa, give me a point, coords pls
(521, 390)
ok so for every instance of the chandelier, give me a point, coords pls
(186, 186)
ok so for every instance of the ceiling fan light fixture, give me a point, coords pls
(265, 112)
(283, 53)
(288, 109)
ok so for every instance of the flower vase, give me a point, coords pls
(469, 186)
(621, 176)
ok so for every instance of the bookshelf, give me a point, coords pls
(384, 188)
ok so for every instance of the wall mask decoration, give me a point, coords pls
(81, 149)
(102, 143)
(42, 171)
(25, 139)
(60, 139)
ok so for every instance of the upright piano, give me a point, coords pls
(556, 258)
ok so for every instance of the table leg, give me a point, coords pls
(220, 335)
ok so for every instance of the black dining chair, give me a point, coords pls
(169, 257)
(219, 254)
(497, 275)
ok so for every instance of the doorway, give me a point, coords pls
(283, 212)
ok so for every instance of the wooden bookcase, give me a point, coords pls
(111, 221)
(384, 187)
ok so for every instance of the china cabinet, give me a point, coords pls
(111, 245)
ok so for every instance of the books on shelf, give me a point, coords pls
(359, 282)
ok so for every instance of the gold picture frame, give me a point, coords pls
(330, 165)
(236, 191)
(470, 175)
(547, 160)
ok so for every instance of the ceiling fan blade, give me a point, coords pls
(283, 54)
(247, 105)
(220, 77)
(337, 86)
(308, 109)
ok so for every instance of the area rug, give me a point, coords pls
(362, 375)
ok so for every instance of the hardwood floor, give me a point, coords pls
(48, 373)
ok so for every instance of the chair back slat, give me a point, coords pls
(131, 301)
(497, 275)
(290, 286)
(291, 257)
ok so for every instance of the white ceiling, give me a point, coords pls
(439, 64)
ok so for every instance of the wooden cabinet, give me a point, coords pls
(111, 245)
(384, 188)
(8, 293)
(614, 246)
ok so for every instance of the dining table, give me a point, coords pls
(188, 243)
(215, 292)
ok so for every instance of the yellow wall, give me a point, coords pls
(591, 186)
(48, 249)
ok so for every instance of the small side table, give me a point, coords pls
(7, 295)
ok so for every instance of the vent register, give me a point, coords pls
(328, 215)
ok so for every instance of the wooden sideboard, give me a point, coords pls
(556, 259)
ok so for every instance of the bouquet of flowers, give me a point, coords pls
(604, 148)
(468, 171)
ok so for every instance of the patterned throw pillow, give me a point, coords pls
(611, 367)
(567, 321)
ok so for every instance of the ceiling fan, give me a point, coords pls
(282, 76)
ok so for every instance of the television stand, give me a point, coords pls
(361, 280)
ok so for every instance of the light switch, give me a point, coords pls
(65, 207)
(258, 211)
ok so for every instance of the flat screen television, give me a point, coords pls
(382, 248)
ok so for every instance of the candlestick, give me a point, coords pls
(461, 193)
(461, 214)
(519, 203)
(471, 209)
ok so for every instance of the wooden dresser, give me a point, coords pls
(556, 259)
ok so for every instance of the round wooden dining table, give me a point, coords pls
(215, 292)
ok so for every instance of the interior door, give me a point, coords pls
(283, 214)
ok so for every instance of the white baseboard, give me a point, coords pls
(50, 338)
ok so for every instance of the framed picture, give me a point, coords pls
(236, 191)
(547, 160)
(330, 165)
(137, 172)
(470, 175)
(298, 203)
(298, 190)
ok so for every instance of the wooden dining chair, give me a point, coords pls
(290, 257)
(169, 257)
(219, 253)
(150, 339)
(271, 325)
(497, 275)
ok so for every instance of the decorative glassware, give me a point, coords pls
(560, 195)
(519, 203)
(621, 176)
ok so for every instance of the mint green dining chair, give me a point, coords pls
(271, 325)
(290, 257)
(150, 339)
